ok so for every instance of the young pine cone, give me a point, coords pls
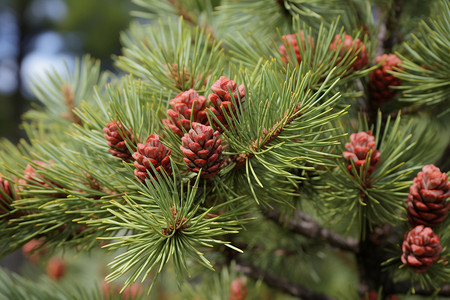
(115, 134)
(184, 105)
(32, 178)
(291, 43)
(238, 289)
(202, 149)
(362, 58)
(6, 195)
(380, 79)
(152, 152)
(361, 144)
(222, 98)
(427, 197)
(421, 248)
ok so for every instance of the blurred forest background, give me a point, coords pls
(40, 35)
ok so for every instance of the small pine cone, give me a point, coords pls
(32, 178)
(427, 197)
(56, 268)
(361, 144)
(223, 98)
(202, 149)
(380, 79)
(115, 134)
(238, 289)
(152, 152)
(421, 248)
(6, 195)
(34, 250)
(185, 104)
(291, 43)
(362, 58)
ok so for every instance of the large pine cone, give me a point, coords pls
(380, 79)
(202, 149)
(361, 144)
(421, 248)
(362, 58)
(184, 105)
(427, 197)
(6, 195)
(223, 98)
(152, 152)
(116, 134)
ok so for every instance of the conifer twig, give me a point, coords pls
(303, 224)
(68, 95)
(280, 283)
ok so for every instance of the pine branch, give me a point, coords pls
(303, 224)
(280, 283)
(393, 37)
(269, 136)
(405, 288)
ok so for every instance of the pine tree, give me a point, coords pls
(246, 150)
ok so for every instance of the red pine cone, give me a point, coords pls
(185, 104)
(291, 43)
(32, 178)
(56, 268)
(34, 250)
(427, 197)
(361, 144)
(152, 152)
(380, 79)
(421, 248)
(238, 289)
(116, 134)
(223, 98)
(202, 149)
(6, 195)
(362, 58)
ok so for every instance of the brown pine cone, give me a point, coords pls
(184, 105)
(427, 197)
(202, 149)
(116, 134)
(361, 144)
(6, 195)
(362, 58)
(223, 98)
(152, 152)
(380, 80)
(421, 248)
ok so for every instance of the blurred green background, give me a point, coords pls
(37, 35)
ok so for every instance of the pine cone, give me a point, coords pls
(116, 134)
(32, 178)
(152, 152)
(380, 79)
(292, 40)
(362, 58)
(223, 98)
(361, 144)
(238, 289)
(185, 104)
(427, 197)
(6, 195)
(421, 248)
(202, 149)
(56, 268)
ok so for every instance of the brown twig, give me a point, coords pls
(184, 13)
(303, 224)
(268, 137)
(280, 283)
(69, 99)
